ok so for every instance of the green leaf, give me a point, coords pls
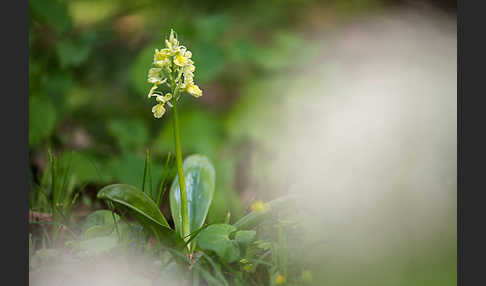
(99, 218)
(243, 238)
(99, 223)
(143, 209)
(133, 199)
(280, 55)
(129, 134)
(75, 52)
(53, 12)
(200, 181)
(209, 60)
(216, 238)
(210, 28)
(98, 231)
(42, 119)
(85, 167)
(147, 177)
(128, 169)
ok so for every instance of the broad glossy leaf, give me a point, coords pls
(134, 199)
(143, 209)
(216, 238)
(199, 175)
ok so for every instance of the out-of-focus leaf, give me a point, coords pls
(211, 27)
(97, 231)
(42, 119)
(200, 178)
(216, 238)
(209, 61)
(129, 134)
(73, 53)
(53, 12)
(282, 53)
(85, 167)
(242, 50)
(260, 100)
(86, 13)
(200, 133)
(78, 97)
(128, 169)
(57, 85)
(99, 218)
(244, 237)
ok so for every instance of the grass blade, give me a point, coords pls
(147, 176)
(165, 174)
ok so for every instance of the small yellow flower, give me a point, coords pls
(190, 68)
(248, 267)
(183, 57)
(180, 60)
(188, 78)
(187, 54)
(158, 110)
(280, 280)
(259, 206)
(162, 58)
(193, 90)
(172, 44)
(155, 76)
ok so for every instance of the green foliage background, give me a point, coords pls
(87, 80)
(88, 62)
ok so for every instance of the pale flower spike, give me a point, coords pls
(174, 67)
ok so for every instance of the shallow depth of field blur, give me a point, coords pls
(351, 104)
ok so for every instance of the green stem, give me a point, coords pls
(180, 172)
(112, 208)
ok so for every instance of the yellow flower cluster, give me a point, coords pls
(173, 67)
